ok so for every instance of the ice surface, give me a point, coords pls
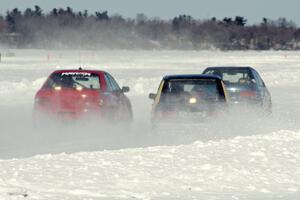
(241, 157)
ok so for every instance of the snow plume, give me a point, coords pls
(20, 137)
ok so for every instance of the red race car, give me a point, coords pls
(75, 94)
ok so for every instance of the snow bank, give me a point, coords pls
(284, 77)
(252, 167)
(20, 92)
(141, 70)
(141, 85)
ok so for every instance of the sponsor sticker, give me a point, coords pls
(76, 74)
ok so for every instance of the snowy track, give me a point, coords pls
(237, 158)
(252, 167)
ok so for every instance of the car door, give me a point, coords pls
(123, 100)
(112, 94)
(121, 104)
(264, 93)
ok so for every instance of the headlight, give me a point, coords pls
(192, 100)
(79, 88)
(58, 88)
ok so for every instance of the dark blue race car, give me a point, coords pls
(244, 86)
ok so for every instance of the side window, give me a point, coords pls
(257, 78)
(114, 84)
(109, 86)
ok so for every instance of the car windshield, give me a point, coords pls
(232, 75)
(207, 89)
(81, 80)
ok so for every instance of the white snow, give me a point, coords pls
(235, 158)
(251, 167)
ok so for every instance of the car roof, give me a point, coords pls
(229, 67)
(191, 76)
(79, 70)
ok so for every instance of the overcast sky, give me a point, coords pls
(253, 10)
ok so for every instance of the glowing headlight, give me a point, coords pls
(57, 88)
(79, 88)
(192, 100)
(83, 96)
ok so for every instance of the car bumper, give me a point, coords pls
(65, 115)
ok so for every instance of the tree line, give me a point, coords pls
(65, 28)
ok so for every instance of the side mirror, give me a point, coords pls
(125, 89)
(152, 96)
